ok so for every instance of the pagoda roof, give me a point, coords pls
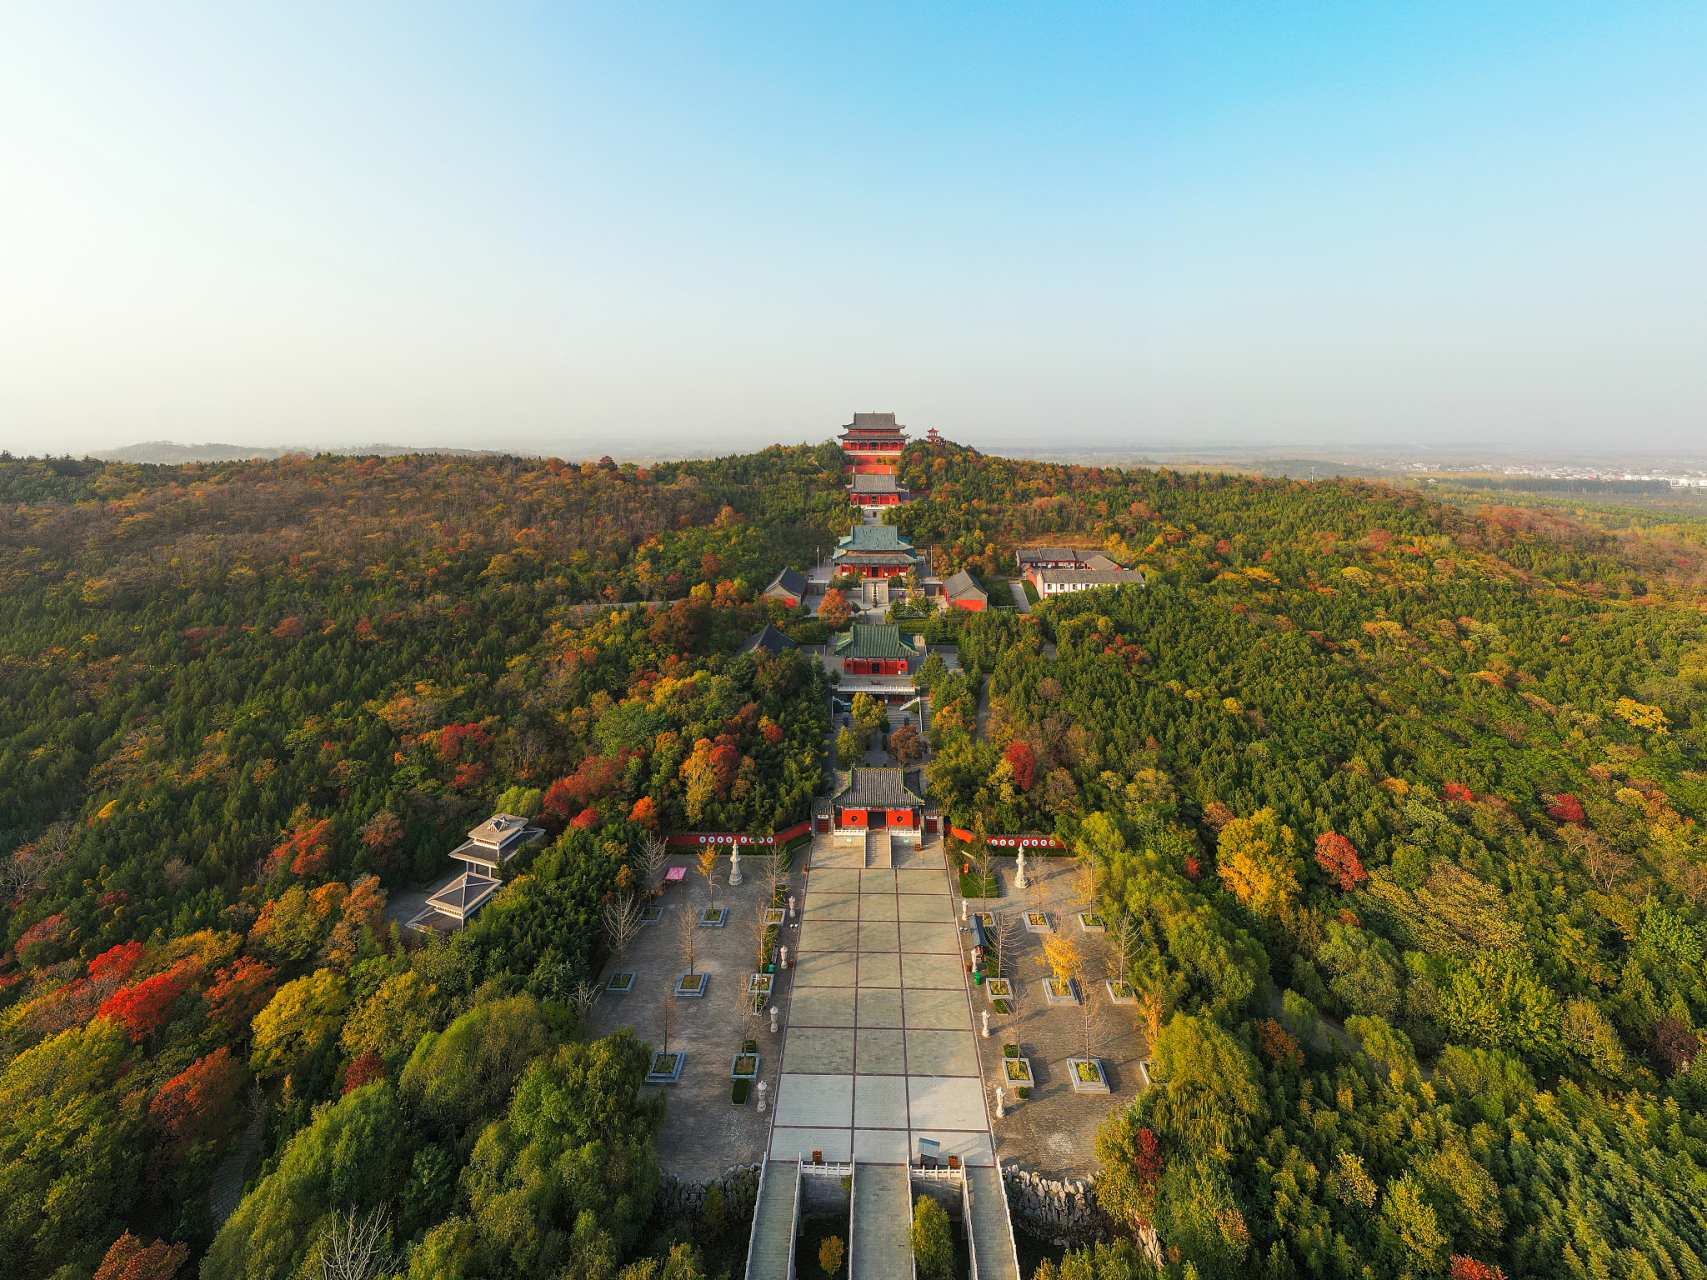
(881, 559)
(466, 894)
(862, 641)
(874, 537)
(879, 788)
(874, 422)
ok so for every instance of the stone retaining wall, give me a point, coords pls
(679, 1199)
(1065, 1213)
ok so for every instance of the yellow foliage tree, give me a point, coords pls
(1259, 861)
(1641, 715)
(299, 1021)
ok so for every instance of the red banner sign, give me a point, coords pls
(1012, 843)
(708, 837)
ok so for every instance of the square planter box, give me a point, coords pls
(1087, 1075)
(1057, 992)
(1120, 992)
(988, 918)
(620, 984)
(691, 986)
(714, 917)
(651, 915)
(666, 1068)
(1017, 1072)
(775, 915)
(1145, 1065)
(1091, 923)
(999, 989)
(760, 984)
(744, 1067)
(1038, 922)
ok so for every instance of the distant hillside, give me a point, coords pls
(170, 451)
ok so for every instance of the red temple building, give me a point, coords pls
(872, 443)
(875, 551)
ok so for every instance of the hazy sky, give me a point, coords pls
(735, 223)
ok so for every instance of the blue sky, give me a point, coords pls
(730, 224)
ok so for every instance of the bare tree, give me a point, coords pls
(669, 1018)
(1006, 928)
(982, 860)
(654, 853)
(622, 923)
(584, 996)
(688, 935)
(355, 1248)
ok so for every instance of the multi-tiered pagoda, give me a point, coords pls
(872, 444)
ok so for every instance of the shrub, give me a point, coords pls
(933, 1246)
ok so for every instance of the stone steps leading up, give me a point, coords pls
(770, 1251)
(992, 1232)
(882, 1220)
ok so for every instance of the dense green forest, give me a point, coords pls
(1395, 806)
(1397, 810)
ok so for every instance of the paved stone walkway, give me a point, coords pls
(879, 1050)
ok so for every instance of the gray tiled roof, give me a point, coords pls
(879, 482)
(1031, 555)
(879, 788)
(1090, 577)
(873, 422)
(768, 637)
(790, 581)
(961, 585)
(464, 894)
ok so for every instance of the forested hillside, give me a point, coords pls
(1396, 808)
(239, 704)
(1398, 812)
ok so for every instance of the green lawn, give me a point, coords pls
(973, 886)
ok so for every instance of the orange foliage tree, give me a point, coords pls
(130, 1259)
(195, 1106)
(240, 991)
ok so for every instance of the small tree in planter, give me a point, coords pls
(622, 923)
(689, 936)
(830, 1255)
(654, 853)
(1062, 954)
(708, 869)
(1006, 930)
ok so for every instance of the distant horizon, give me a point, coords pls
(1213, 224)
(667, 447)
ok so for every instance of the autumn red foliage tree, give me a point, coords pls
(116, 963)
(469, 775)
(1338, 857)
(644, 813)
(453, 737)
(1024, 762)
(1567, 808)
(144, 1008)
(560, 804)
(586, 820)
(1458, 791)
(382, 837)
(130, 1259)
(1278, 1044)
(306, 853)
(195, 1106)
(364, 1070)
(240, 991)
(1464, 1268)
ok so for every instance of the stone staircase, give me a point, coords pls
(880, 1229)
(993, 1256)
(877, 850)
(770, 1249)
